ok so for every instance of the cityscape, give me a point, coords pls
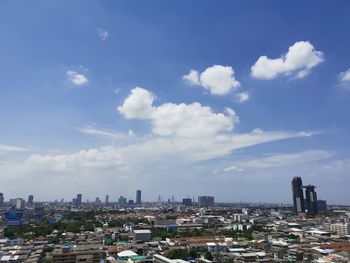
(191, 230)
(174, 131)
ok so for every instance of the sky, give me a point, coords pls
(176, 98)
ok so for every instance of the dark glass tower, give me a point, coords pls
(311, 199)
(30, 200)
(298, 196)
(138, 197)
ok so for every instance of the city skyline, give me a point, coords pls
(227, 100)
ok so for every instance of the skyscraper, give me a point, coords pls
(30, 200)
(20, 203)
(206, 201)
(79, 199)
(187, 201)
(311, 199)
(138, 197)
(298, 196)
(106, 199)
(1, 199)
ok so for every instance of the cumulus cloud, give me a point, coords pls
(344, 78)
(242, 97)
(102, 34)
(76, 78)
(218, 79)
(297, 62)
(192, 78)
(183, 120)
(138, 105)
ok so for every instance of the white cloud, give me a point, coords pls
(138, 105)
(218, 79)
(108, 134)
(242, 97)
(102, 34)
(287, 159)
(148, 153)
(76, 78)
(232, 169)
(192, 78)
(344, 78)
(11, 148)
(297, 62)
(183, 120)
(117, 90)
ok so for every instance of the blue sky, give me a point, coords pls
(268, 98)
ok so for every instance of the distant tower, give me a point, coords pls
(138, 197)
(311, 199)
(30, 200)
(1, 199)
(206, 201)
(106, 199)
(298, 196)
(79, 199)
(20, 203)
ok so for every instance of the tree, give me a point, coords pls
(208, 255)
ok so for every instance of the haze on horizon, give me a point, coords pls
(230, 99)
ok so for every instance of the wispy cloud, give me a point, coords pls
(11, 148)
(102, 34)
(105, 133)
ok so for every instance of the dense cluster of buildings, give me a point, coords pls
(179, 232)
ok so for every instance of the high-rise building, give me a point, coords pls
(79, 199)
(98, 201)
(20, 203)
(138, 197)
(298, 196)
(122, 200)
(106, 199)
(1, 199)
(187, 201)
(30, 200)
(322, 205)
(311, 199)
(205, 201)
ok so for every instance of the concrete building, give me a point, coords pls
(142, 235)
(20, 203)
(82, 253)
(340, 229)
(206, 201)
